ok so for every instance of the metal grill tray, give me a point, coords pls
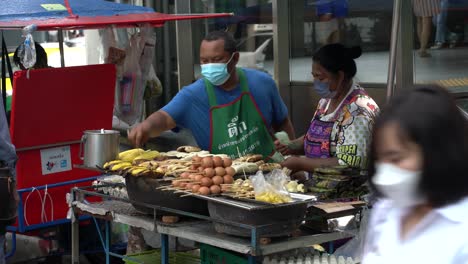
(146, 190)
(251, 204)
(271, 220)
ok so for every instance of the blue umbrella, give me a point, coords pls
(69, 14)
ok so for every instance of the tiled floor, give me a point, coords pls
(373, 66)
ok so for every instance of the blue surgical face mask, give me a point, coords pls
(323, 89)
(216, 73)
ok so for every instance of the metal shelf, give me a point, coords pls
(199, 230)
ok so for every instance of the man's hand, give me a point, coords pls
(140, 134)
(153, 126)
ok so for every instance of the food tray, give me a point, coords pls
(147, 190)
(277, 220)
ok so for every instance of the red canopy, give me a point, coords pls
(129, 20)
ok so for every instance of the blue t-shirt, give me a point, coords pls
(190, 107)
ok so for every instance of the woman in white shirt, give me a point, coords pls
(419, 166)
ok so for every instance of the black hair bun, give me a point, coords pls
(354, 52)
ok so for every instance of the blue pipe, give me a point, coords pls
(107, 243)
(44, 225)
(21, 224)
(57, 184)
(164, 249)
(99, 233)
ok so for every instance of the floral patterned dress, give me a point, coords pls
(345, 133)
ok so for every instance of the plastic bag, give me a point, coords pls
(113, 49)
(131, 85)
(27, 51)
(355, 247)
(271, 189)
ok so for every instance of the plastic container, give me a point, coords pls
(154, 257)
(214, 255)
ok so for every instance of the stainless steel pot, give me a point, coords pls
(99, 146)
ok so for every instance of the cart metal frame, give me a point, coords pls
(253, 248)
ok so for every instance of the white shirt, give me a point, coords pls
(440, 238)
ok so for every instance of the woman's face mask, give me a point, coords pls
(399, 166)
(216, 73)
(323, 82)
(322, 88)
(399, 185)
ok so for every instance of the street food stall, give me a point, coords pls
(240, 203)
(51, 108)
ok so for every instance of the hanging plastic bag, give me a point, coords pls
(355, 247)
(147, 45)
(113, 49)
(271, 189)
(130, 87)
(27, 51)
(132, 81)
(153, 85)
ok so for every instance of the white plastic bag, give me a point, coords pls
(355, 247)
(27, 51)
(133, 58)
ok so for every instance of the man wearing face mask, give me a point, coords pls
(339, 133)
(229, 110)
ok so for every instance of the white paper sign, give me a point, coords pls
(55, 160)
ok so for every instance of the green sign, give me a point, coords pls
(54, 7)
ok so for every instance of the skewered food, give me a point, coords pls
(217, 161)
(204, 190)
(188, 149)
(207, 162)
(268, 167)
(215, 189)
(250, 158)
(227, 162)
(244, 167)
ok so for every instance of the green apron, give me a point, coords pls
(238, 127)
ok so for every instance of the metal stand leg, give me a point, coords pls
(331, 247)
(75, 226)
(164, 249)
(107, 243)
(254, 244)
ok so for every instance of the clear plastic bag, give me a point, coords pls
(355, 247)
(27, 51)
(271, 189)
(134, 64)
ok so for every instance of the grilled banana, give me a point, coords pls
(146, 156)
(137, 171)
(130, 155)
(120, 166)
(108, 164)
